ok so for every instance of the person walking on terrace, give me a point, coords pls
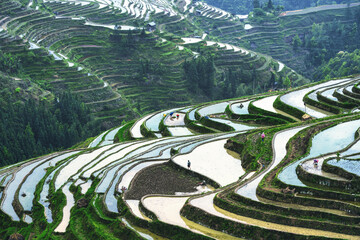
(262, 136)
(188, 164)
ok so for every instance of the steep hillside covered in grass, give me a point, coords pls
(321, 36)
(303, 39)
(109, 64)
(52, 48)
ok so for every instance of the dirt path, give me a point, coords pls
(4, 26)
(93, 89)
(175, 21)
(118, 95)
(317, 9)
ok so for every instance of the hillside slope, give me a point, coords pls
(114, 67)
(320, 34)
(288, 171)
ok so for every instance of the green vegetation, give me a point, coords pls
(37, 128)
(62, 81)
(200, 75)
(264, 12)
(252, 149)
(115, 68)
(124, 133)
(89, 222)
(303, 41)
(10, 64)
(326, 39)
(343, 64)
(237, 229)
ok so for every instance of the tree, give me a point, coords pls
(254, 77)
(143, 34)
(256, 3)
(287, 82)
(279, 8)
(191, 75)
(296, 42)
(200, 74)
(210, 76)
(272, 79)
(9, 63)
(258, 12)
(39, 127)
(270, 5)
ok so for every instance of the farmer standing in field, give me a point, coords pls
(262, 136)
(316, 162)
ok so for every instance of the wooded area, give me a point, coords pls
(32, 128)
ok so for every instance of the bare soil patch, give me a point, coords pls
(161, 179)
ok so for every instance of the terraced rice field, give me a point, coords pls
(206, 174)
(102, 55)
(209, 11)
(274, 36)
(275, 195)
